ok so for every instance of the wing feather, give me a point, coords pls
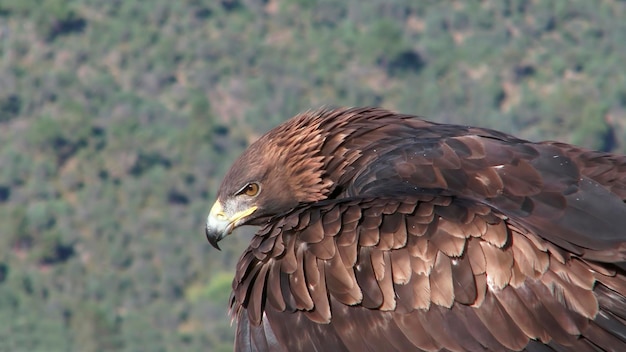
(441, 288)
(498, 291)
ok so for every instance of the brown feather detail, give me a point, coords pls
(256, 241)
(472, 147)
(332, 228)
(421, 266)
(400, 265)
(448, 160)
(456, 212)
(348, 234)
(243, 287)
(463, 282)
(246, 263)
(435, 326)
(388, 228)
(351, 214)
(615, 283)
(256, 299)
(550, 205)
(520, 178)
(541, 306)
(481, 289)
(324, 249)
(405, 169)
(451, 245)
(557, 253)
(311, 272)
(414, 228)
(476, 228)
(478, 330)
(425, 220)
(411, 326)
(407, 207)
(341, 282)
(279, 247)
(332, 216)
(428, 177)
(400, 235)
(369, 233)
(421, 247)
(321, 312)
(441, 288)
(304, 220)
(241, 281)
(404, 298)
(314, 233)
(517, 277)
(366, 278)
(537, 242)
(286, 223)
(486, 182)
(564, 319)
(568, 273)
(391, 208)
(500, 324)
(260, 256)
(499, 264)
(425, 210)
(521, 315)
(576, 298)
(476, 257)
(386, 241)
(457, 325)
(375, 209)
(598, 268)
(497, 234)
(289, 264)
(378, 263)
(348, 255)
(274, 294)
(298, 286)
(580, 274)
(606, 169)
(530, 261)
(453, 228)
(600, 337)
(385, 280)
(420, 284)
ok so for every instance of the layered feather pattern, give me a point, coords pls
(429, 237)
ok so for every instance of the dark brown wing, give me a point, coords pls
(568, 196)
(607, 169)
(420, 272)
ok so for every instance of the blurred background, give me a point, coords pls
(118, 119)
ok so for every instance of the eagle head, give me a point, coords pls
(281, 170)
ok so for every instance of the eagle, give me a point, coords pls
(380, 231)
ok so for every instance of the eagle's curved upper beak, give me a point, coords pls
(220, 223)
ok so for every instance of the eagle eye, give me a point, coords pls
(251, 189)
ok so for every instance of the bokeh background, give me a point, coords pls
(118, 119)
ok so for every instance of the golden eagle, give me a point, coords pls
(385, 232)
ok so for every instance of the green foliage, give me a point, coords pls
(217, 290)
(118, 119)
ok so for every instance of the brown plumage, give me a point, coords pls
(384, 232)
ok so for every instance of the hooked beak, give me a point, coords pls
(219, 224)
